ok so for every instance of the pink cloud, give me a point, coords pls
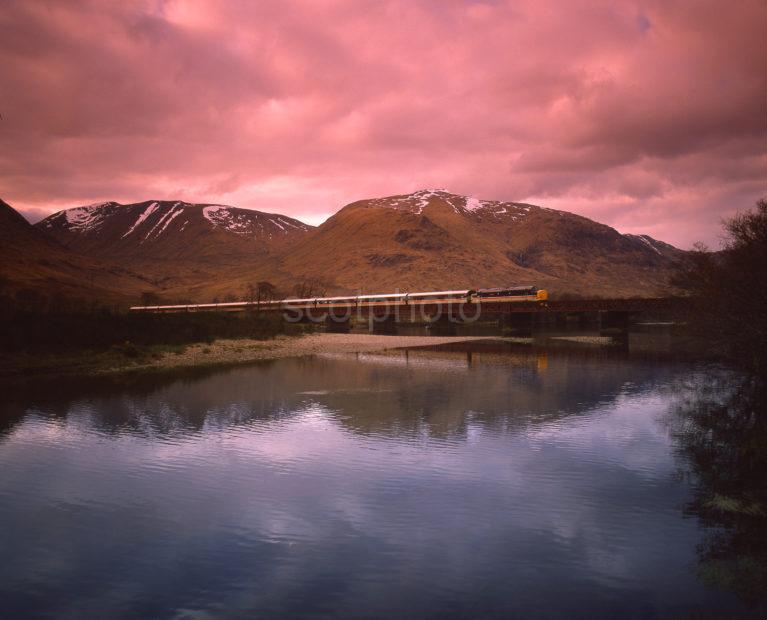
(650, 116)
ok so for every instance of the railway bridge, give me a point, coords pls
(517, 307)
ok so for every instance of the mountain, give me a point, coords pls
(660, 247)
(433, 239)
(36, 267)
(427, 240)
(162, 229)
(187, 251)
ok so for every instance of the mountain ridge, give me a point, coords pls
(38, 269)
(436, 239)
(123, 228)
(428, 239)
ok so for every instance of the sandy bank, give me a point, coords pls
(229, 352)
(243, 351)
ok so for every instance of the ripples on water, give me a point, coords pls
(406, 484)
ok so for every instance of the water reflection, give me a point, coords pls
(721, 430)
(398, 392)
(487, 482)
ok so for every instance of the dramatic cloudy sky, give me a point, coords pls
(650, 116)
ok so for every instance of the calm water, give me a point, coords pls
(499, 483)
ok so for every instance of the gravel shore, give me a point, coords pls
(241, 351)
(234, 352)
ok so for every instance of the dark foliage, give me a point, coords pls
(722, 433)
(730, 291)
(310, 287)
(722, 424)
(22, 329)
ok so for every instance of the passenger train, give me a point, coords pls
(486, 295)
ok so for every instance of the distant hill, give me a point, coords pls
(433, 239)
(427, 240)
(187, 251)
(161, 229)
(35, 266)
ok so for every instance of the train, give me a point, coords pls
(486, 295)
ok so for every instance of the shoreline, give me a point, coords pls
(223, 353)
(226, 352)
(219, 353)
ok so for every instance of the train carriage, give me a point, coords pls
(499, 294)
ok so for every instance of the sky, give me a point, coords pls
(649, 116)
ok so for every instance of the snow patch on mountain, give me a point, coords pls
(243, 222)
(425, 195)
(222, 217)
(141, 218)
(85, 219)
(170, 219)
(414, 203)
(472, 204)
(464, 205)
(166, 218)
(159, 222)
(291, 224)
(504, 211)
(647, 240)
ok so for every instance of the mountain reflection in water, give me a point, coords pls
(478, 482)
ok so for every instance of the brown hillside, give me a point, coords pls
(427, 240)
(35, 266)
(187, 251)
(171, 230)
(432, 239)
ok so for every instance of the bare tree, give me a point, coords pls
(250, 292)
(265, 291)
(728, 290)
(310, 287)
